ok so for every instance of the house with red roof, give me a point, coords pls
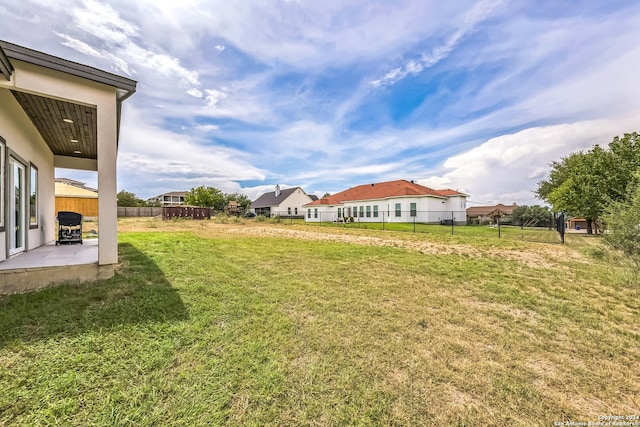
(391, 201)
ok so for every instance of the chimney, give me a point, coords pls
(277, 191)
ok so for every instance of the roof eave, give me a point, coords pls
(125, 86)
(6, 69)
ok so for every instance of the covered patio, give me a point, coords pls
(54, 113)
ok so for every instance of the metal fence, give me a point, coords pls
(432, 222)
(367, 215)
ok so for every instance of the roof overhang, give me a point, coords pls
(68, 128)
(6, 69)
(124, 87)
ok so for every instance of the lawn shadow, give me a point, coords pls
(138, 293)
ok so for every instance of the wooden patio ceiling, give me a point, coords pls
(68, 129)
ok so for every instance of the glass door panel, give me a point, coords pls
(17, 206)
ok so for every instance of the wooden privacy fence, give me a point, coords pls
(138, 211)
(186, 212)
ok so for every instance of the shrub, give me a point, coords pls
(623, 223)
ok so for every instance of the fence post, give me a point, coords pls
(453, 220)
(498, 226)
(414, 224)
(383, 220)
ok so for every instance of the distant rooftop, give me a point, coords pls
(383, 190)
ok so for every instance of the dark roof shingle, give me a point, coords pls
(270, 199)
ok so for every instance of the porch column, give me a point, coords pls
(107, 189)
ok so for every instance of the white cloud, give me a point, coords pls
(207, 128)
(213, 97)
(220, 47)
(152, 155)
(102, 21)
(478, 13)
(98, 30)
(507, 168)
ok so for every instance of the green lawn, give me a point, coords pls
(206, 327)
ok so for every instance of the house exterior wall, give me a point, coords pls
(24, 141)
(296, 200)
(167, 199)
(428, 209)
(58, 85)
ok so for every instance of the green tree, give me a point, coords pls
(585, 183)
(626, 151)
(623, 223)
(125, 198)
(535, 216)
(209, 197)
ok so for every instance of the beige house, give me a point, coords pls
(288, 202)
(74, 196)
(55, 113)
(172, 198)
(490, 214)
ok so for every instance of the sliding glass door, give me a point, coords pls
(17, 206)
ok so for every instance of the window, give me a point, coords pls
(375, 211)
(398, 209)
(289, 210)
(308, 213)
(296, 211)
(315, 213)
(339, 213)
(33, 197)
(355, 212)
(368, 211)
(413, 209)
(361, 211)
(1, 184)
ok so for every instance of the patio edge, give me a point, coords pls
(31, 279)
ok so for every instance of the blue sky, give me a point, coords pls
(478, 96)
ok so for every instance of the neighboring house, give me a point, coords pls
(74, 196)
(173, 198)
(490, 214)
(576, 223)
(233, 208)
(392, 201)
(55, 113)
(287, 202)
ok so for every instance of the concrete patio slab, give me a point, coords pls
(50, 264)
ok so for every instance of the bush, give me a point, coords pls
(623, 223)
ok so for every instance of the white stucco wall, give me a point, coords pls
(58, 85)
(23, 139)
(297, 199)
(428, 210)
(320, 213)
